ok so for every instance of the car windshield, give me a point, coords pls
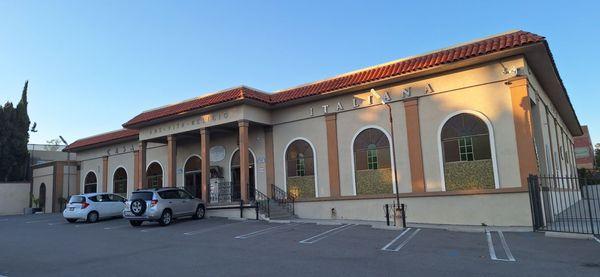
(144, 195)
(77, 199)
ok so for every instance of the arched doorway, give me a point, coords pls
(42, 197)
(154, 176)
(90, 183)
(193, 176)
(235, 176)
(120, 182)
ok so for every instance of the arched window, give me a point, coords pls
(372, 162)
(300, 169)
(467, 155)
(90, 183)
(120, 182)
(192, 176)
(42, 197)
(154, 175)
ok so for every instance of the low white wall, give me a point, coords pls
(13, 198)
(232, 213)
(502, 209)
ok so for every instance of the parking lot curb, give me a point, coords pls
(569, 235)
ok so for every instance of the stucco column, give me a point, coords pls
(136, 168)
(205, 162)
(59, 182)
(244, 178)
(105, 174)
(141, 165)
(332, 155)
(415, 153)
(171, 161)
(521, 110)
(78, 179)
(269, 159)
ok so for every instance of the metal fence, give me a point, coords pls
(565, 204)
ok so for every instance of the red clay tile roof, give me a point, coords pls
(237, 93)
(445, 56)
(470, 50)
(102, 138)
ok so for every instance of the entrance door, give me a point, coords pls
(193, 177)
(235, 176)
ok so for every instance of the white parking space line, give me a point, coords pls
(202, 231)
(492, 250)
(117, 227)
(3, 220)
(57, 223)
(388, 247)
(327, 233)
(264, 231)
(596, 239)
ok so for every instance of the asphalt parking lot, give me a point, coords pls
(46, 245)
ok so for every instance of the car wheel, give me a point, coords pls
(71, 220)
(138, 207)
(200, 211)
(92, 217)
(165, 218)
(135, 223)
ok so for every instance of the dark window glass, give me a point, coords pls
(193, 164)
(120, 181)
(184, 195)
(144, 195)
(115, 198)
(465, 138)
(93, 198)
(76, 199)
(90, 183)
(168, 194)
(371, 150)
(154, 176)
(299, 159)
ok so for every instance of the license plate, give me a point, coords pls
(128, 214)
(71, 209)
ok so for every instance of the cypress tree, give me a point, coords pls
(21, 138)
(7, 154)
(14, 136)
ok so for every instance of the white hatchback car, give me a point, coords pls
(93, 206)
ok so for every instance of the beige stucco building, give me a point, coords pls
(458, 130)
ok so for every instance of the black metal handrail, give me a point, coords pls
(284, 198)
(262, 202)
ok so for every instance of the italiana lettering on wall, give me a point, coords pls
(368, 99)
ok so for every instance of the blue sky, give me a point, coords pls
(93, 66)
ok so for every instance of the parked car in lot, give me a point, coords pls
(93, 206)
(162, 205)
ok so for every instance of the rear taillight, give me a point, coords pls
(153, 202)
(84, 205)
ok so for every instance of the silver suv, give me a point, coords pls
(162, 205)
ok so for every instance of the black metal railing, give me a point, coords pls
(283, 198)
(263, 203)
(565, 204)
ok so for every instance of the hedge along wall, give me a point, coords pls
(301, 186)
(374, 181)
(469, 175)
